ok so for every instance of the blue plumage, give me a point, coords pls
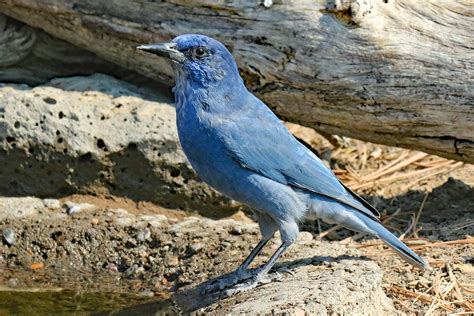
(237, 145)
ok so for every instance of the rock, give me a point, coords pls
(143, 234)
(305, 237)
(52, 203)
(326, 277)
(173, 261)
(111, 267)
(236, 230)
(154, 220)
(9, 236)
(19, 207)
(311, 288)
(195, 248)
(72, 208)
(131, 271)
(13, 282)
(97, 135)
(147, 293)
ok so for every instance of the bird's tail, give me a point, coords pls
(378, 230)
(333, 212)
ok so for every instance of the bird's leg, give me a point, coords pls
(259, 275)
(241, 273)
(241, 270)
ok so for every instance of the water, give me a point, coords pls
(74, 303)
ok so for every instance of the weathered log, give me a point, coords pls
(392, 72)
(29, 55)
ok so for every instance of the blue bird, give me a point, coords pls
(238, 146)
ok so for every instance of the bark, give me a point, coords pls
(392, 72)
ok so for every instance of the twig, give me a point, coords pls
(395, 165)
(403, 176)
(412, 224)
(330, 230)
(451, 167)
(417, 218)
(457, 289)
(419, 296)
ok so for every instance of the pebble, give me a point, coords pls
(225, 244)
(267, 3)
(143, 253)
(112, 267)
(13, 282)
(9, 236)
(280, 297)
(52, 203)
(236, 230)
(147, 293)
(72, 208)
(305, 237)
(173, 261)
(195, 248)
(143, 234)
(131, 270)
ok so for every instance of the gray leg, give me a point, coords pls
(260, 274)
(255, 251)
(268, 228)
(289, 233)
(265, 268)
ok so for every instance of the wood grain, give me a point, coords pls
(392, 72)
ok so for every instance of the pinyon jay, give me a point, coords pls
(238, 146)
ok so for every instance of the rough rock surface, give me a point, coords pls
(96, 135)
(112, 249)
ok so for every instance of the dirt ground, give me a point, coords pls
(428, 199)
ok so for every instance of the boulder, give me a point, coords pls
(155, 254)
(96, 135)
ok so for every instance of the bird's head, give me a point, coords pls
(196, 58)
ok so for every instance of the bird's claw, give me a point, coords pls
(226, 282)
(238, 283)
(244, 286)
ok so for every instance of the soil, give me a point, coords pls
(114, 244)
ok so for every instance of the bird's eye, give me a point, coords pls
(200, 51)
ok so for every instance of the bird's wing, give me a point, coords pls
(261, 143)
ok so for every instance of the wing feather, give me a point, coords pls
(261, 143)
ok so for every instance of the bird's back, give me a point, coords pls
(224, 137)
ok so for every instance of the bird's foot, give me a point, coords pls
(244, 286)
(227, 282)
(253, 282)
(239, 282)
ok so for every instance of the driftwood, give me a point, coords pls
(392, 72)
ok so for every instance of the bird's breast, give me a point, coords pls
(198, 137)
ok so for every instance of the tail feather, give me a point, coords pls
(333, 212)
(401, 249)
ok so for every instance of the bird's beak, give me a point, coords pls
(167, 50)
